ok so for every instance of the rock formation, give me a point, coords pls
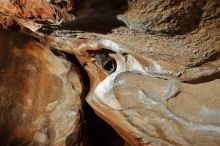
(153, 69)
(40, 94)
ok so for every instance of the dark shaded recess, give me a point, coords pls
(205, 79)
(104, 60)
(95, 131)
(15, 38)
(212, 57)
(208, 78)
(99, 132)
(77, 6)
(93, 16)
(13, 27)
(98, 16)
(109, 66)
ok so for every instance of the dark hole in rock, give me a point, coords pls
(109, 66)
(103, 59)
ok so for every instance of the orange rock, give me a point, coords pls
(39, 94)
(35, 10)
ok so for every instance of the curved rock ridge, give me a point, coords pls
(145, 109)
(39, 94)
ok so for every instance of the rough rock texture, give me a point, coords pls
(35, 13)
(153, 65)
(39, 94)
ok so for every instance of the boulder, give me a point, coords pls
(39, 94)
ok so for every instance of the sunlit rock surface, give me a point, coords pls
(153, 66)
(39, 94)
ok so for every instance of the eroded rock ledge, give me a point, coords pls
(153, 68)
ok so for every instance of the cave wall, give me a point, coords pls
(151, 68)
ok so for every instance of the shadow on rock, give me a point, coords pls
(94, 16)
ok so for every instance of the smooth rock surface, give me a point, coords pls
(150, 110)
(39, 94)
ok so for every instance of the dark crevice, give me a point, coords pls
(95, 131)
(72, 58)
(205, 79)
(212, 57)
(99, 133)
(75, 139)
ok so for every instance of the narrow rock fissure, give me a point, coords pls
(95, 131)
